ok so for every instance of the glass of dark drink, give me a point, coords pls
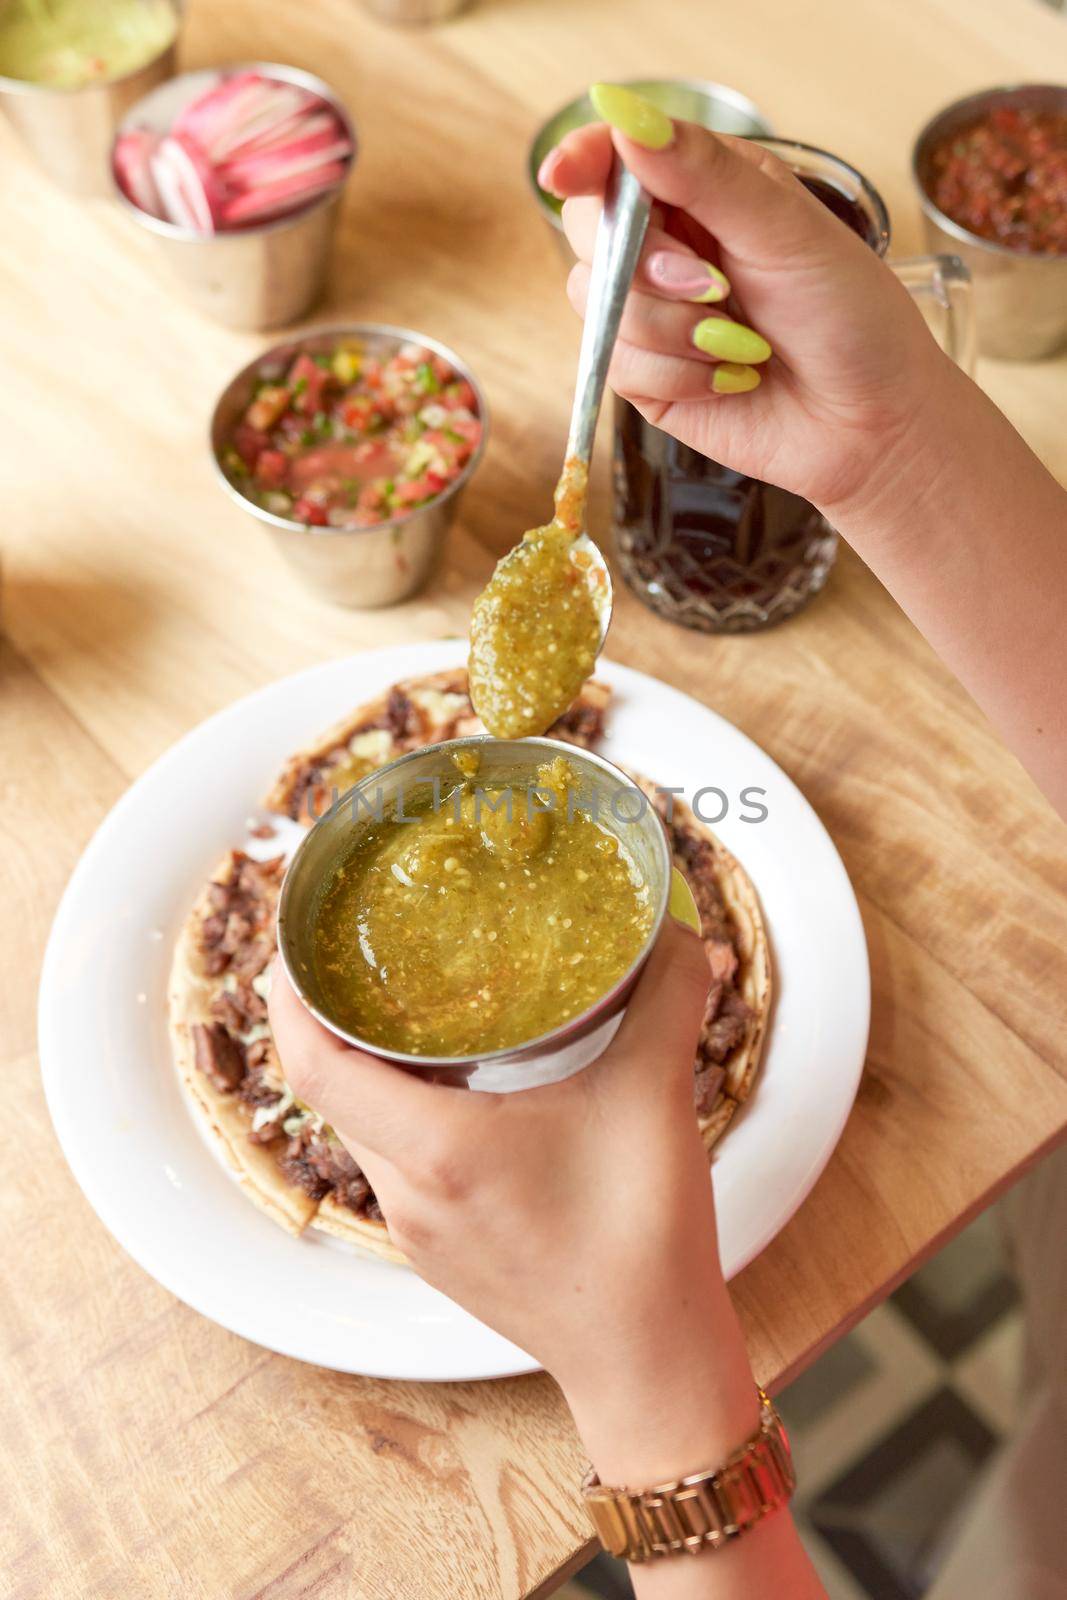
(712, 548)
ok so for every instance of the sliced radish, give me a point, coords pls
(133, 169)
(251, 148)
(240, 108)
(191, 193)
(264, 110)
(206, 116)
(288, 161)
(299, 126)
(274, 199)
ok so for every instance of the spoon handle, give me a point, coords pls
(620, 234)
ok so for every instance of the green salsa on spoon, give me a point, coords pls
(538, 625)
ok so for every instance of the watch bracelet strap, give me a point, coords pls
(703, 1511)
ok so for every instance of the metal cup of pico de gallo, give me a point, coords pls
(364, 567)
(1020, 296)
(70, 131)
(262, 275)
(711, 105)
(572, 1044)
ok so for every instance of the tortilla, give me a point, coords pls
(753, 980)
(226, 1120)
(363, 1232)
(411, 714)
(730, 914)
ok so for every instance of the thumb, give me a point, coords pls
(664, 1016)
(369, 1102)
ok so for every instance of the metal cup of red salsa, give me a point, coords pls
(352, 445)
(991, 171)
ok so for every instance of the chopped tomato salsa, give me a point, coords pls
(1004, 177)
(345, 440)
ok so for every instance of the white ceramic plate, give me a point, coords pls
(153, 1181)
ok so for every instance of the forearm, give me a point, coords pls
(683, 1404)
(968, 532)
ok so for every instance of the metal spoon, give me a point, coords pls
(619, 238)
(520, 680)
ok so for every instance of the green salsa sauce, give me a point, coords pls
(470, 929)
(67, 44)
(535, 630)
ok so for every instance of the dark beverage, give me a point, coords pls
(709, 547)
(844, 208)
(706, 546)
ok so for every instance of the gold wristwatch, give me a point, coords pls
(703, 1511)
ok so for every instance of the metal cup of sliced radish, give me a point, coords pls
(238, 173)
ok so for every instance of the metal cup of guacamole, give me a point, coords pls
(69, 72)
(480, 909)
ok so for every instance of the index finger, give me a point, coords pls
(737, 191)
(579, 164)
(742, 194)
(663, 1018)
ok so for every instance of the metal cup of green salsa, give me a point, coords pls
(480, 909)
(71, 69)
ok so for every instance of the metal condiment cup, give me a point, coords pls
(712, 105)
(70, 131)
(1020, 296)
(561, 1051)
(363, 567)
(259, 276)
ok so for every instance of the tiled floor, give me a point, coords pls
(894, 1426)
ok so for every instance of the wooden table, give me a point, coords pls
(143, 1451)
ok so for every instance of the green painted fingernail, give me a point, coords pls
(633, 115)
(717, 289)
(730, 341)
(681, 905)
(729, 378)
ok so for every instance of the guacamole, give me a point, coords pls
(486, 921)
(67, 44)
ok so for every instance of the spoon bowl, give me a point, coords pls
(588, 554)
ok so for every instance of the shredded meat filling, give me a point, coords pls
(319, 1164)
(727, 1015)
(237, 942)
(707, 1089)
(582, 724)
(218, 1057)
(410, 728)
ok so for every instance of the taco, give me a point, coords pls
(290, 1163)
(413, 713)
(735, 942)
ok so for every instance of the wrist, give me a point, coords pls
(910, 467)
(677, 1402)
